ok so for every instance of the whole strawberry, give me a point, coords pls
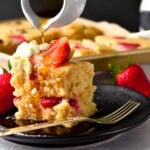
(133, 77)
(6, 93)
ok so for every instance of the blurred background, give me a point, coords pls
(124, 12)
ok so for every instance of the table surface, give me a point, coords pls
(134, 139)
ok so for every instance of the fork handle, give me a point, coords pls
(26, 128)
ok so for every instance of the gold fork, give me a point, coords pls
(111, 118)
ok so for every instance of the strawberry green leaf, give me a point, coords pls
(2, 70)
(115, 69)
(9, 65)
(130, 60)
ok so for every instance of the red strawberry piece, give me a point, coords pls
(18, 39)
(123, 46)
(48, 102)
(74, 103)
(134, 77)
(6, 93)
(33, 76)
(58, 53)
(80, 47)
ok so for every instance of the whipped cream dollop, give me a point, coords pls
(21, 58)
(26, 50)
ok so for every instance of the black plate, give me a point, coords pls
(108, 98)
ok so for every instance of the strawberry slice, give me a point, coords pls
(123, 46)
(48, 102)
(58, 53)
(18, 39)
(74, 103)
(33, 76)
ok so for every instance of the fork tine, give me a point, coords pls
(117, 119)
(125, 113)
(118, 110)
(124, 109)
(120, 113)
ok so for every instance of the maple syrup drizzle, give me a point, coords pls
(43, 22)
(42, 37)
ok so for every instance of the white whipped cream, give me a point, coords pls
(21, 58)
(26, 50)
